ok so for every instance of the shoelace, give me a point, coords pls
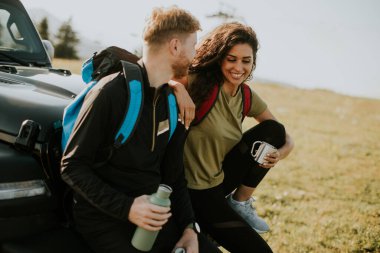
(250, 202)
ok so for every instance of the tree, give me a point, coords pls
(67, 41)
(43, 28)
(225, 13)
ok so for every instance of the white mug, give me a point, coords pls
(263, 149)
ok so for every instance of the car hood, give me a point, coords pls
(37, 94)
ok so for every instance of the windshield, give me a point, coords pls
(18, 37)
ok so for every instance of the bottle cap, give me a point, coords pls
(164, 191)
(180, 250)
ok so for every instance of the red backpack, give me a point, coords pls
(205, 107)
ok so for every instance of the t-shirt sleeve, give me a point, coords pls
(257, 106)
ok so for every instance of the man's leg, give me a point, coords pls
(169, 236)
(206, 246)
(101, 232)
(106, 234)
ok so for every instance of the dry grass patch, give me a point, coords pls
(73, 65)
(325, 197)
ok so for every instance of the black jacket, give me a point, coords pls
(136, 168)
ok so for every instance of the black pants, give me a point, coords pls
(215, 216)
(105, 234)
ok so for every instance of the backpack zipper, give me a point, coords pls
(155, 99)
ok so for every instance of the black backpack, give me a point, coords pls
(108, 61)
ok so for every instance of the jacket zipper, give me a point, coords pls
(155, 99)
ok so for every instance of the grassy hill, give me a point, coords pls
(325, 197)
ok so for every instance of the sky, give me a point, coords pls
(326, 44)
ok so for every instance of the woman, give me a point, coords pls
(221, 173)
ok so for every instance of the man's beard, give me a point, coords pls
(181, 67)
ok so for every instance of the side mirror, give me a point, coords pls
(49, 48)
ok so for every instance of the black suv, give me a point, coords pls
(32, 99)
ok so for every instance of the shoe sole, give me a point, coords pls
(261, 232)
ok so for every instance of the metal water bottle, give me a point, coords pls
(143, 239)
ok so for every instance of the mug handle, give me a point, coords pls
(253, 153)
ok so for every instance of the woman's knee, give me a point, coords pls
(273, 126)
(270, 131)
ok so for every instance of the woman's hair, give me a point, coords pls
(163, 24)
(205, 70)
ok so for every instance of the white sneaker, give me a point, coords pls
(248, 212)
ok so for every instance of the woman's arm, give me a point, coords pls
(184, 101)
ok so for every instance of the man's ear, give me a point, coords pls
(175, 46)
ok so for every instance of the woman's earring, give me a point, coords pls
(249, 78)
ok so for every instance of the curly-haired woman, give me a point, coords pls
(221, 174)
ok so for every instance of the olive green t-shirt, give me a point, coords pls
(209, 142)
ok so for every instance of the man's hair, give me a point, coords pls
(163, 24)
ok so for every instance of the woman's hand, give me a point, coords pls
(184, 101)
(271, 159)
(147, 215)
(188, 241)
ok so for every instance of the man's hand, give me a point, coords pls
(185, 103)
(188, 241)
(147, 215)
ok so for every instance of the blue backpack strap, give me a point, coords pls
(134, 84)
(70, 114)
(173, 113)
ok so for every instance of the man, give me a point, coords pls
(111, 200)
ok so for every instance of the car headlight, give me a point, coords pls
(23, 189)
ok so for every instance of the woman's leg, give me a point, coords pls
(244, 174)
(223, 224)
(239, 166)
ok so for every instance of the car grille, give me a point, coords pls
(4, 80)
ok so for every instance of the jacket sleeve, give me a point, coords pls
(93, 129)
(174, 176)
